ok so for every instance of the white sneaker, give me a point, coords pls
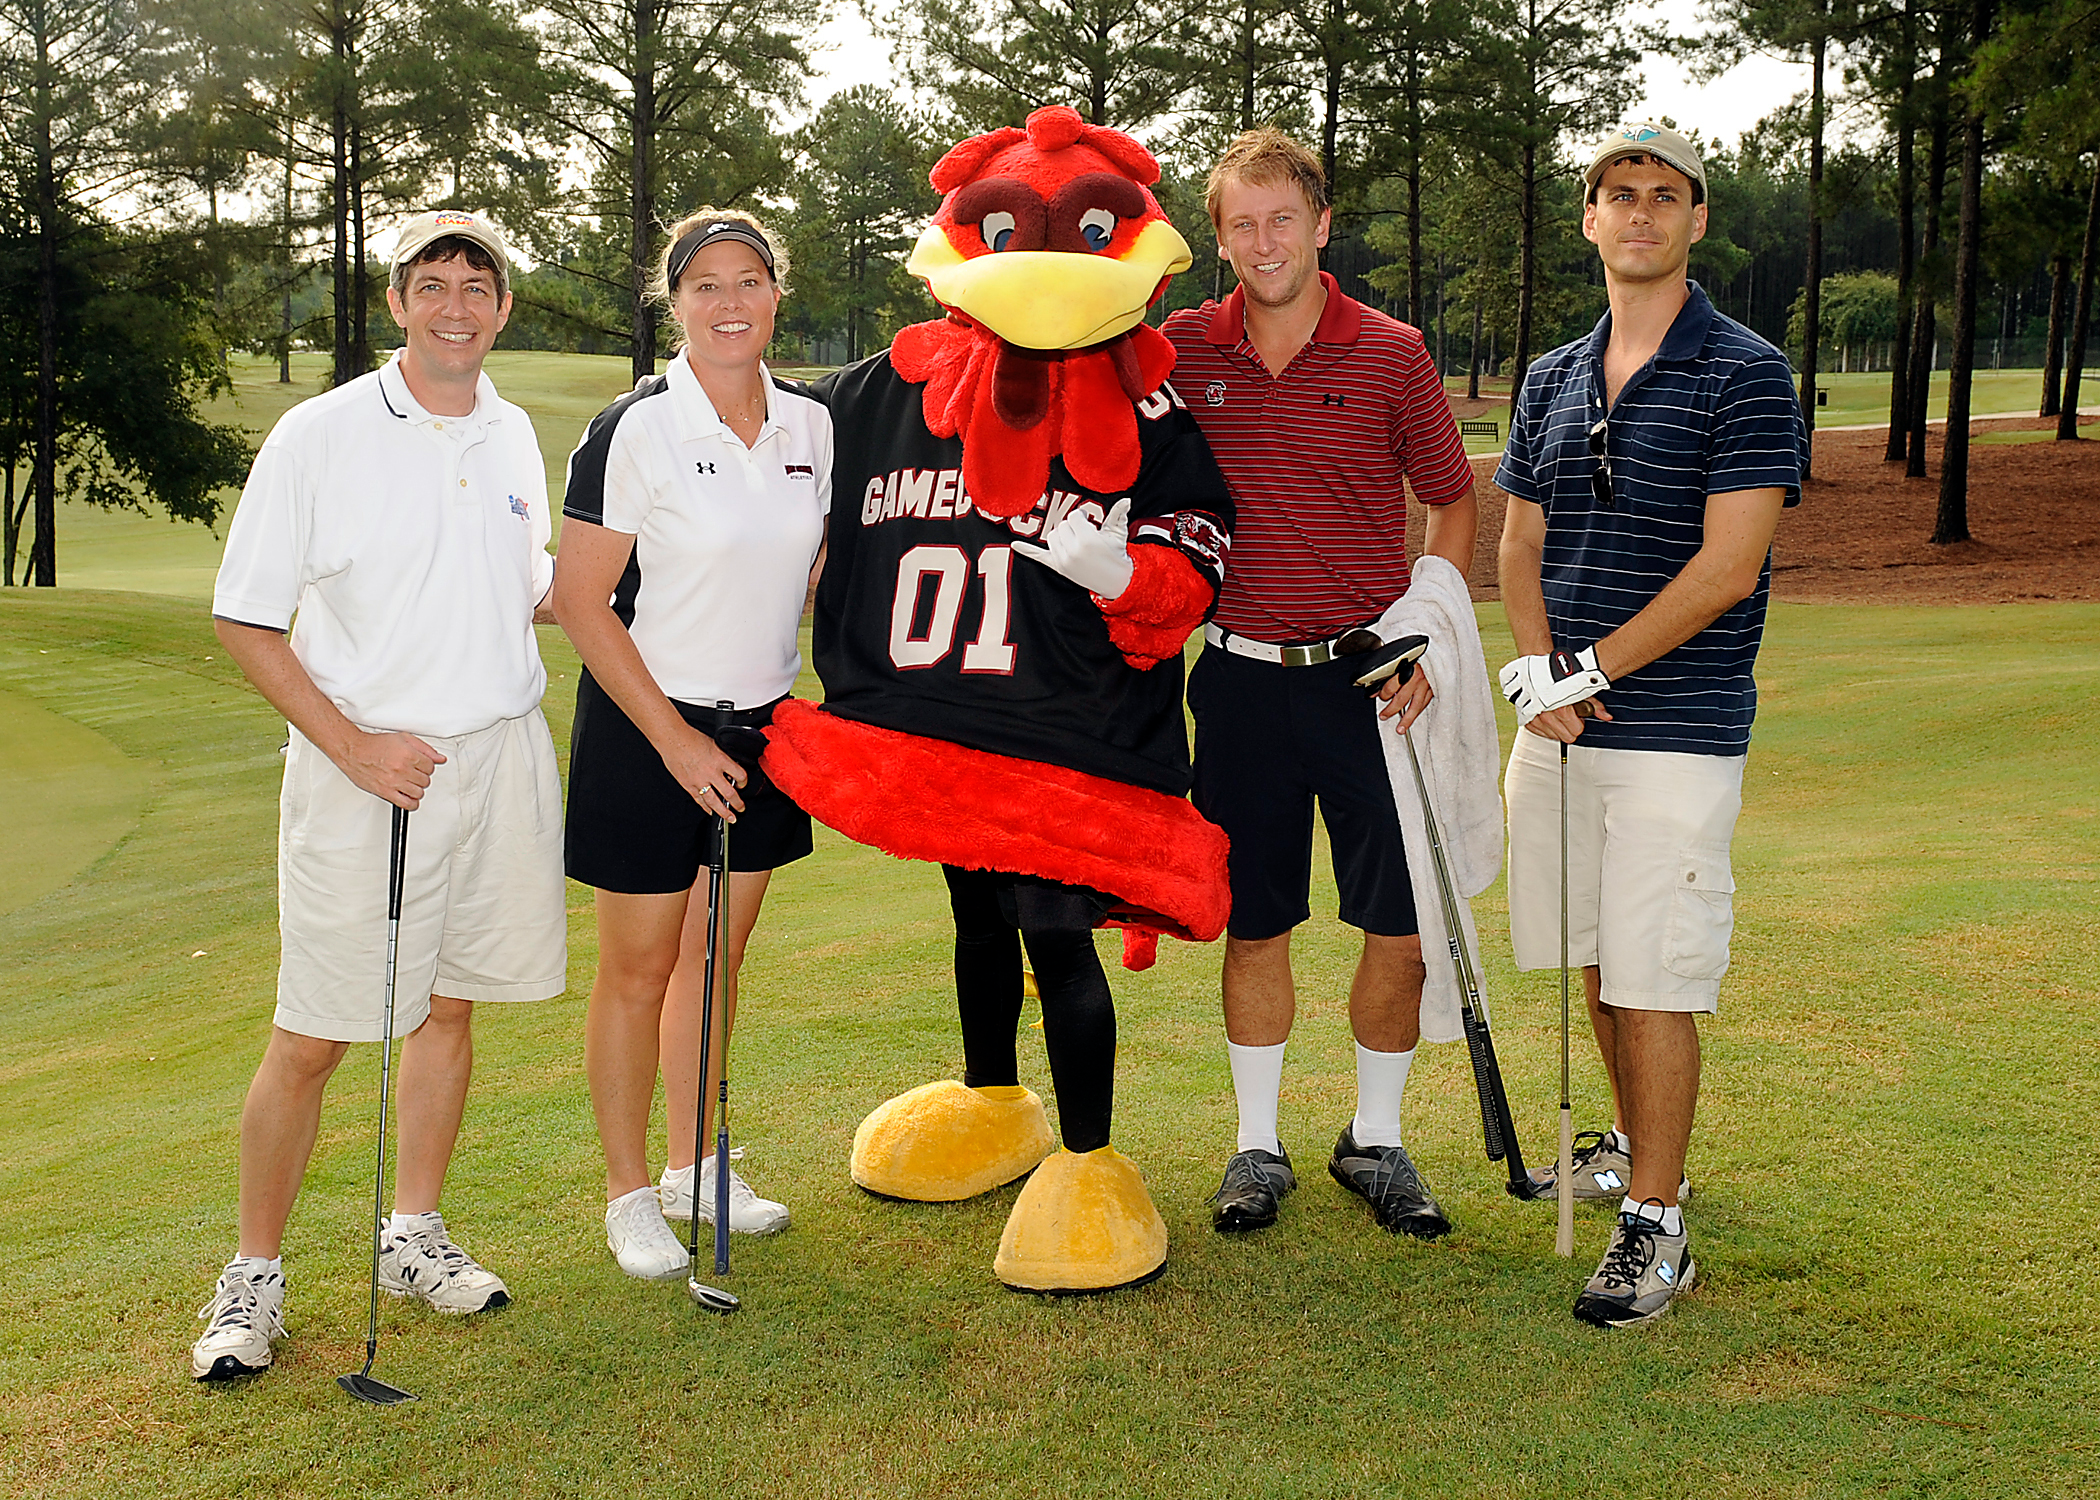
(748, 1213)
(639, 1238)
(245, 1314)
(422, 1262)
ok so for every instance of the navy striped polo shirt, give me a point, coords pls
(1713, 412)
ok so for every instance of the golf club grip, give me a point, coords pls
(1481, 1050)
(722, 1189)
(396, 862)
(1495, 1130)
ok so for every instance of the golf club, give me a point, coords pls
(1395, 659)
(713, 1298)
(1564, 1178)
(362, 1385)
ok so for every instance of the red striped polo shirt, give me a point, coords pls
(1315, 457)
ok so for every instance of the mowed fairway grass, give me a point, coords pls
(1893, 1203)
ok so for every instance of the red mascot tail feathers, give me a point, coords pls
(932, 800)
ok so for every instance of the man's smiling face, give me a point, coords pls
(1643, 221)
(1272, 236)
(451, 314)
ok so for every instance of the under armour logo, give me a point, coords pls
(703, 468)
(1331, 399)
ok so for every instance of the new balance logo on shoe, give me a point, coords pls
(1609, 1181)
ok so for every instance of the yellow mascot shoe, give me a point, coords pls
(943, 1142)
(1083, 1224)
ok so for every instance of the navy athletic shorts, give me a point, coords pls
(632, 828)
(1270, 740)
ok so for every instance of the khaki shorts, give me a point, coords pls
(1651, 899)
(482, 910)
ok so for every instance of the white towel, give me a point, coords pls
(1455, 741)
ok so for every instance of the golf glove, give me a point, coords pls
(1555, 680)
(1097, 558)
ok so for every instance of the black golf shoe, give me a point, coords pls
(1255, 1181)
(1384, 1178)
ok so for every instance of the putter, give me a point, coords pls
(1396, 660)
(363, 1385)
(713, 1298)
(1564, 1178)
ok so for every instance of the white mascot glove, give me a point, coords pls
(1537, 683)
(1097, 558)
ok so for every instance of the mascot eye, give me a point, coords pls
(998, 228)
(1099, 227)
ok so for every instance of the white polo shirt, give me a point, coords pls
(724, 535)
(411, 547)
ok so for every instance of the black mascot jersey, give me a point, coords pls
(928, 622)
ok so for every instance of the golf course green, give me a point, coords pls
(1895, 1236)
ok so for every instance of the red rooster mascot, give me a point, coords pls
(1027, 527)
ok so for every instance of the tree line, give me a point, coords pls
(179, 179)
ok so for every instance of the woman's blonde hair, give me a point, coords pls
(660, 279)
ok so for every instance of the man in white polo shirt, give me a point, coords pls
(402, 519)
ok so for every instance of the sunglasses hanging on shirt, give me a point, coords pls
(1600, 477)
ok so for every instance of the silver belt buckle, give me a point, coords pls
(1316, 654)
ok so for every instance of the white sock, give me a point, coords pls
(1381, 1079)
(401, 1223)
(1622, 1140)
(256, 1266)
(1672, 1218)
(1257, 1078)
(678, 1177)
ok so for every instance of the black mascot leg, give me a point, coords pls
(1079, 1014)
(987, 978)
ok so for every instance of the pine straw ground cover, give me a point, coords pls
(1892, 1202)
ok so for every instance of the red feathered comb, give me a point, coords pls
(1051, 129)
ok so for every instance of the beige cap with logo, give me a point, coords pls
(1641, 138)
(418, 232)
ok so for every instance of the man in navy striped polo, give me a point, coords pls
(1316, 408)
(1646, 471)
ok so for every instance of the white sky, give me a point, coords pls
(850, 53)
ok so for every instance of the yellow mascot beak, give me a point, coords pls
(1051, 299)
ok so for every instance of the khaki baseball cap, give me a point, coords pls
(418, 232)
(1640, 138)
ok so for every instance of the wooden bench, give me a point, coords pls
(1479, 429)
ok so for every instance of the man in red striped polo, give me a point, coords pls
(1317, 407)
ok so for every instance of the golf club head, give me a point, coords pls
(712, 1298)
(741, 743)
(1389, 659)
(373, 1391)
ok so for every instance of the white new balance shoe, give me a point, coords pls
(748, 1213)
(640, 1240)
(421, 1261)
(245, 1315)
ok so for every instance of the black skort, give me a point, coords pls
(632, 828)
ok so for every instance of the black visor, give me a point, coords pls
(710, 232)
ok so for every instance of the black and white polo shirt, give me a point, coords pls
(724, 535)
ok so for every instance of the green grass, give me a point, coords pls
(72, 794)
(1891, 1209)
(1861, 399)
